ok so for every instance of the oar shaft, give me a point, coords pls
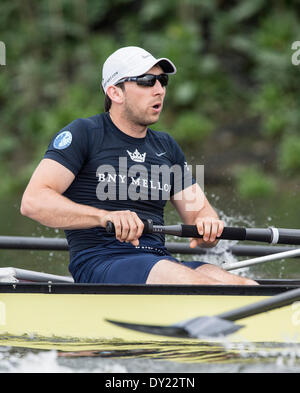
(274, 235)
(269, 304)
(56, 244)
(32, 243)
(267, 235)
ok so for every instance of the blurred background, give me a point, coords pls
(232, 106)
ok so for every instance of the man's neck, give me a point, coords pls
(126, 126)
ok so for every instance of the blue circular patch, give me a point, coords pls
(63, 140)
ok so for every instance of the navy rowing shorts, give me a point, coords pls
(119, 263)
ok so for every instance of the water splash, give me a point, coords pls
(48, 362)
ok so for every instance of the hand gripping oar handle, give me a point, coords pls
(183, 230)
(148, 227)
(228, 233)
(267, 235)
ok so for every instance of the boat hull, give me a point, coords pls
(73, 317)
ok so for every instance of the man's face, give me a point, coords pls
(143, 104)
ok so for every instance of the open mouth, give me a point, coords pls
(156, 107)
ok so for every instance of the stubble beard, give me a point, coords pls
(136, 117)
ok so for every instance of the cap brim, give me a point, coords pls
(167, 66)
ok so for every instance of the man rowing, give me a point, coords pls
(113, 167)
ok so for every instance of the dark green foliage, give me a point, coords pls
(252, 183)
(233, 59)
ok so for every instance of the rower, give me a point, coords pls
(113, 167)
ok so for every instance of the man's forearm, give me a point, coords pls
(55, 210)
(206, 211)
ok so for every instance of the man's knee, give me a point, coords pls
(248, 281)
(224, 276)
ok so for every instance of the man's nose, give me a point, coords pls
(158, 87)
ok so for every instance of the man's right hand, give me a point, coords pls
(128, 226)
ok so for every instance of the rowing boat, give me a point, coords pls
(52, 312)
(72, 316)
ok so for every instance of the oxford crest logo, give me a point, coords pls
(137, 156)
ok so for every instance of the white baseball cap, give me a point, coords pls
(131, 61)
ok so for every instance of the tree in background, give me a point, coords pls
(236, 88)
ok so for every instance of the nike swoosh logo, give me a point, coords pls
(160, 154)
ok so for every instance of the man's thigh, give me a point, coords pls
(168, 272)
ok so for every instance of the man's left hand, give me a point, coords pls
(210, 228)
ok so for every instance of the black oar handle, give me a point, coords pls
(184, 230)
(229, 233)
(267, 235)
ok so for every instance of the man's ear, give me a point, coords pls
(116, 94)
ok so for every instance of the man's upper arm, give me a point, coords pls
(52, 175)
(189, 201)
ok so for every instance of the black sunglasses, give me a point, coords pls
(147, 79)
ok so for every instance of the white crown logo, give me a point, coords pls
(136, 156)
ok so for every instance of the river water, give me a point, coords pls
(282, 211)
